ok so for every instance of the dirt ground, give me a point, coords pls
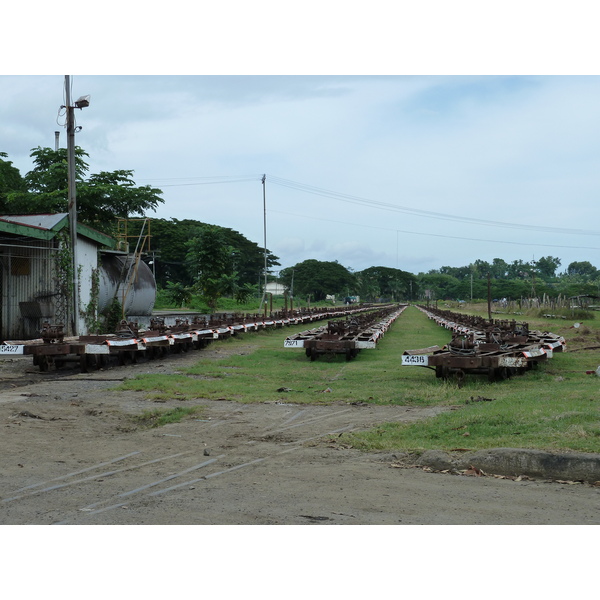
(72, 455)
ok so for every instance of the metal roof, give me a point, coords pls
(46, 226)
(43, 221)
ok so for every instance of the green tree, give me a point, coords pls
(583, 269)
(481, 268)
(10, 181)
(499, 269)
(441, 286)
(179, 294)
(459, 272)
(547, 265)
(249, 258)
(385, 281)
(101, 199)
(244, 292)
(211, 261)
(318, 279)
(518, 269)
(368, 286)
(168, 241)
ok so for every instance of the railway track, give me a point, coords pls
(496, 348)
(130, 344)
(347, 337)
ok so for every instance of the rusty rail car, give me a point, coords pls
(347, 336)
(496, 348)
(130, 343)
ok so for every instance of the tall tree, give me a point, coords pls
(10, 181)
(101, 199)
(518, 269)
(499, 268)
(547, 265)
(386, 281)
(168, 241)
(583, 269)
(318, 279)
(211, 261)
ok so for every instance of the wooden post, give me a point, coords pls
(489, 297)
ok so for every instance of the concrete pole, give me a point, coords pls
(264, 295)
(72, 203)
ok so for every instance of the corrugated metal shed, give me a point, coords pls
(30, 288)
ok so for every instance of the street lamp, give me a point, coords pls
(80, 103)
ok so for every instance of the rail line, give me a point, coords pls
(130, 343)
(496, 348)
(348, 336)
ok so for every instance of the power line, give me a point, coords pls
(205, 180)
(423, 213)
(387, 206)
(452, 237)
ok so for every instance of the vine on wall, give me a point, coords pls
(90, 312)
(63, 272)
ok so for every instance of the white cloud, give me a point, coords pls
(504, 149)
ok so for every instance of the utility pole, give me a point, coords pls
(471, 286)
(72, 200)
(489, 283)
(264, 184)
(80, 103)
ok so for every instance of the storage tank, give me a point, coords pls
(116, 270)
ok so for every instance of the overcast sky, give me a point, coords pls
(409, 171)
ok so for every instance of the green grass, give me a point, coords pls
(157, 417)
(537, 410)
(258, 374)
(554, 406)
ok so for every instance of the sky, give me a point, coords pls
(412, 168)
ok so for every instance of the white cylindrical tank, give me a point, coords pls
(116, 270)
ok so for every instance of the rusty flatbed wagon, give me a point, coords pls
(496, 348)
(348, 336)
(130, 343)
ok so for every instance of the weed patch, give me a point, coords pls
(151, 419)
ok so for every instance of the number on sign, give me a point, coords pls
(10, 349)
(421, 360)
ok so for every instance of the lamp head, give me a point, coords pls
(82, 102)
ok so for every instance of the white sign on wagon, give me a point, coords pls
(418, 360)
(11, 349)
(293, 344)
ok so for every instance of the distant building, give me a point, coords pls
(275, 288)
